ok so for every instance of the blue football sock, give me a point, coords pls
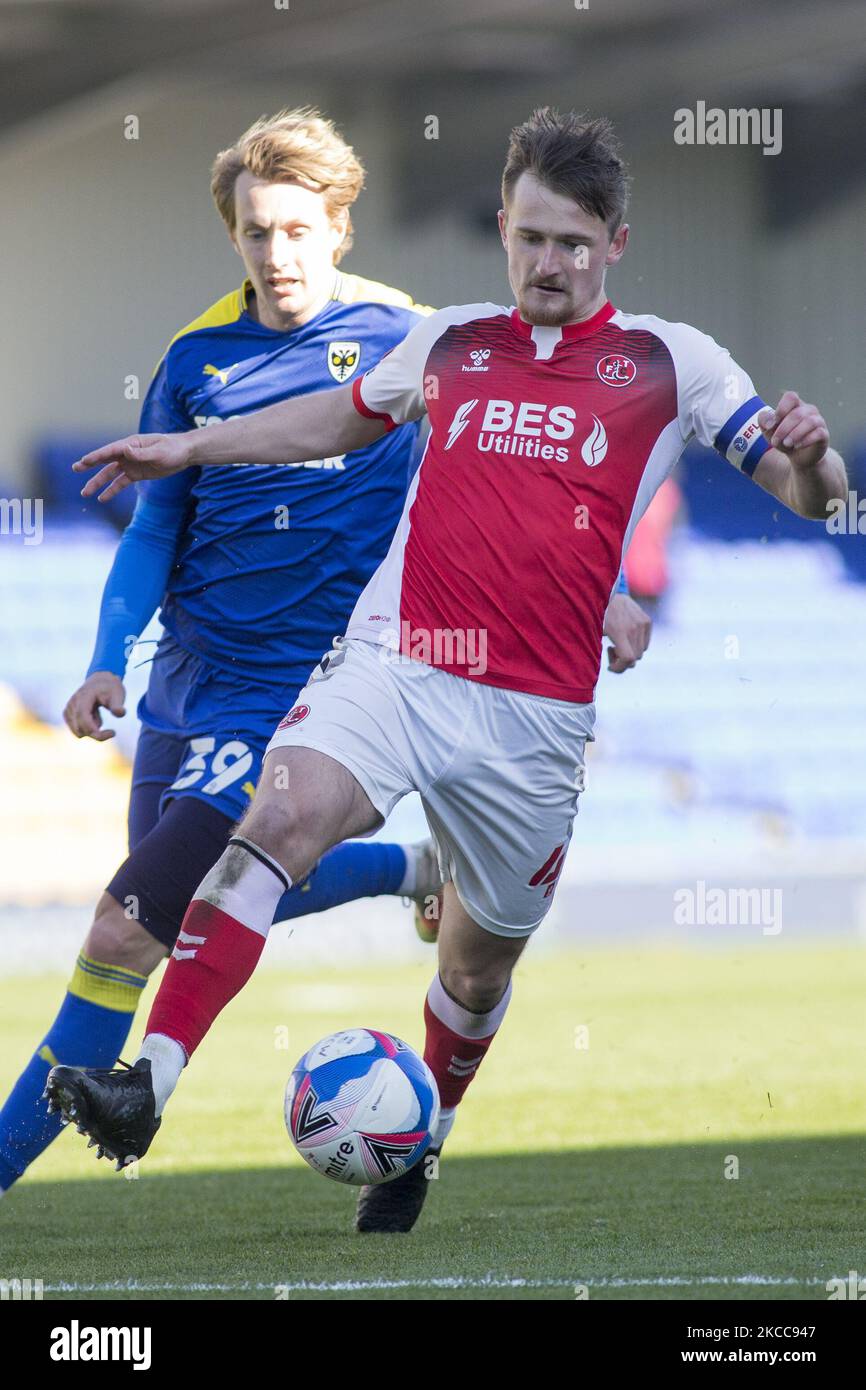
(89, 1031)
(354, 869)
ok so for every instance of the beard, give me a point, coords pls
(533, 308)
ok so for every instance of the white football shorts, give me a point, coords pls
(499, 771)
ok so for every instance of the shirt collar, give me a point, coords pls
(568, 330)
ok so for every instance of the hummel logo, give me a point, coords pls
(221, 372)
(479, 357)
(461, 419)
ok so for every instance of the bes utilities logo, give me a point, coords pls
(529, 429)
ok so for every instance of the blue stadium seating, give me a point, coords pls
(745, 719)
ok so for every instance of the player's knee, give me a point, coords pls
(118, 938)
(479, 991)
(278, 825)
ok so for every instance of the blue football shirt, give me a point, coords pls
(257, 568)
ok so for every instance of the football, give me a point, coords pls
(361, 1106)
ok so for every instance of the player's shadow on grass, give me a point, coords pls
(562, 1219)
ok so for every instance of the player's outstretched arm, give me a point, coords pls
(305, 427)
(799, 467)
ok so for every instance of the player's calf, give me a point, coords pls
(90, 1029)
(219, 943)
(465, 1006)
(292, 822)
(117, 938)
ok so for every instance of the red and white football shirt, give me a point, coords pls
(546, 446)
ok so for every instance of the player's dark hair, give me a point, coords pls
(571, 155)
(297, 146)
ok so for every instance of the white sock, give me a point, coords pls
(460, 1020)
(410, 878)
(167, 1060)
(445, 1125)
(246, 883)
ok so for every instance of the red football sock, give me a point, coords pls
(457, 1040)
(221, 939)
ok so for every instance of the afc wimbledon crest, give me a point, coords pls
(343, 358)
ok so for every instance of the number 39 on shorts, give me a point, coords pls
(221, 766)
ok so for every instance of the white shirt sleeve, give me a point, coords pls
(395, 389)
(718, 404)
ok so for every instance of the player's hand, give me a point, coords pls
(102, 690)
(797, 430)
(629, 629)
(129, 460)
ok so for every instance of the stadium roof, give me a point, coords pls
(618, 54)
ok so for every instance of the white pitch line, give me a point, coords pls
(452, 1282)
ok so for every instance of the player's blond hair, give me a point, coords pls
(292, 146)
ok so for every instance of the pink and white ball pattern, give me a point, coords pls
(361, 1106)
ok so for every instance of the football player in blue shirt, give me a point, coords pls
(253, 583)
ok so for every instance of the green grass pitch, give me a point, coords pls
(589, 1158)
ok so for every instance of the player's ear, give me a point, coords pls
(500, 217)
(617, 246)
(232, 235)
